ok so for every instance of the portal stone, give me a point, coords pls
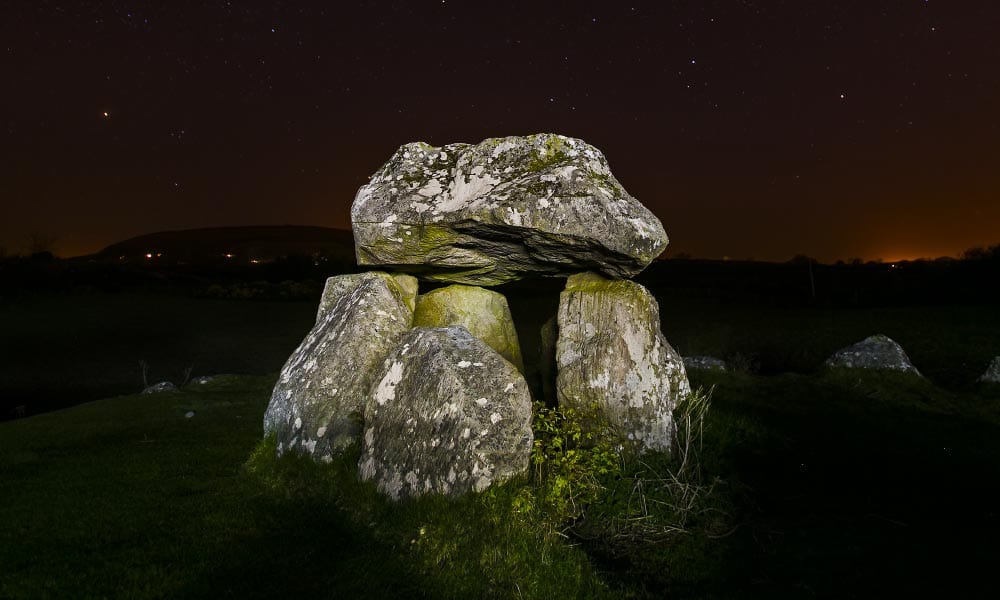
(316, 406)
(445, 414)
(612, 354)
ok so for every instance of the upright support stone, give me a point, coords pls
(316, 406)
(484, 313)
(445, 414)
(611, 353)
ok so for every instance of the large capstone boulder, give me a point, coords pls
(874, 352)
(493, 212)
(992, 374)
(612, 354)
(316, 406)
(484, 313)
(445, 414)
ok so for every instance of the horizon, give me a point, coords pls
(669, 254)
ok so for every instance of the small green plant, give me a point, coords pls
(574, 451)
(660, 496)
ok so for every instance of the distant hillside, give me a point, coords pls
(236, 244)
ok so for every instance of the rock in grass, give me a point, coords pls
(163, 386)
(992, 374)
(611, 353)
(316, 406)
(445, 415)
(874, 352)
(493, 212)
(705, 363)
(484, 313)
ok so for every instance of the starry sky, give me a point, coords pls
(753, 129)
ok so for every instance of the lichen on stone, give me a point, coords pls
(493, 212)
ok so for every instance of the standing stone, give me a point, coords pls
(317, 403)
(484, 313)
(874, 352)
(493, 212)
(612, 353)
(992, 374)
(445, 414)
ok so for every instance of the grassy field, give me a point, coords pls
(832, 485)
(812, 483)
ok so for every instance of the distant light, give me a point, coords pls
(254, 261)
(149, 255)
(105, 114)
(228, 255)
(159, 254)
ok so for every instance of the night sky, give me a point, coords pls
(752, 129)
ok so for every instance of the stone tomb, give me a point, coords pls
(432, 386)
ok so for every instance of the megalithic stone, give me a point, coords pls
(502, 209)
(612, 354)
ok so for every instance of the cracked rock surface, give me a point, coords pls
(501, 209)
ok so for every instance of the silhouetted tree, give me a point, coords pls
(982, 253)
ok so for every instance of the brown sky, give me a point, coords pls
(760, 130)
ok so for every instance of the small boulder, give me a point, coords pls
(316, 405)
(992, 374)
(874, 352)
(445, 414)
(612, 353)
(484, 313)
(496, 211)
(163, 386)
(705, 363)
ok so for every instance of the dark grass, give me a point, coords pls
(831, 483)
(834, 485)
(58, 350)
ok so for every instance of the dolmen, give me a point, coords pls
(430, 387)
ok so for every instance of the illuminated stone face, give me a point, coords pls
(502, 209)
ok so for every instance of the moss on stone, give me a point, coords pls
(484, 313)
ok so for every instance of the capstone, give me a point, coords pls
(501, 209)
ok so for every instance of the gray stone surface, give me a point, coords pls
(705, 363)
(163, 386)
(316, 406)
(612, 353)
(992, 374)
(445, 414)
(481, 311)
(874, 352)
(341, 285)
(492, 212)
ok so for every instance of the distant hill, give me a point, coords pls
(234, 244)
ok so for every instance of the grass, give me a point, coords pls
(808, 482)
(832, 485)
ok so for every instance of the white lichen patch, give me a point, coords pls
(386, 390)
